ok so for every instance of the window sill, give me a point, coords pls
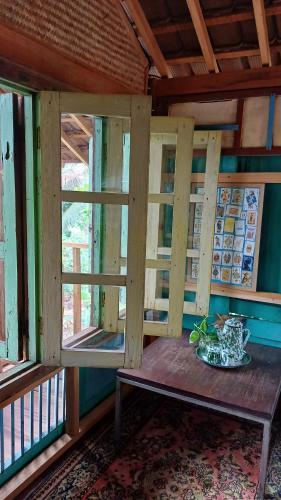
(16, 370)
(21, 383)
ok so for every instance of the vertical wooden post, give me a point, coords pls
(239, 120)
(76, 291)
(112, 220)
(208, 224)
(153, 214)
(270, 123)
(50, 217)
(95, 166)
(182, 183)
(137, 226)
(72, 401)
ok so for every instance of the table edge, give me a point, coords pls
(203, 399)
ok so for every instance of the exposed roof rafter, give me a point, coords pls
(261, 25)
(220, 56)
(202, 35)
(81, 124)
(148, 37)
(68, 142)
(248, 15)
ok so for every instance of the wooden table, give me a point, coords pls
(170, 367)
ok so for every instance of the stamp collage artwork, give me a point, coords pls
(235, 235)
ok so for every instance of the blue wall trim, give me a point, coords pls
(222, 126)
(271, 112)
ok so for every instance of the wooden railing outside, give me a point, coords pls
(77, 301)
(32, 406)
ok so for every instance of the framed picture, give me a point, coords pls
(236, 235)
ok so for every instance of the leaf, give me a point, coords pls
(204, 325)
(194, 336)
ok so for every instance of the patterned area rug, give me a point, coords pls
(169, 451)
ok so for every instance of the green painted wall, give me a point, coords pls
(264, 320)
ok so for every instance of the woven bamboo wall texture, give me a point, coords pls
(90, 32)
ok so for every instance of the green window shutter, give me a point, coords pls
(9, 348)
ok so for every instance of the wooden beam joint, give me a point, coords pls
(148, 37)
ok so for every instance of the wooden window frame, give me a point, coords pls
(164, 131)
(137, 108)
(25, 189)
(211, 141)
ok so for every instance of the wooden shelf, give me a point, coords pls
(238, 177)
(244, 177)
(225, 291)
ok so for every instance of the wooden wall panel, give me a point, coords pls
(254, 132)
(206, 113)
(255, 119)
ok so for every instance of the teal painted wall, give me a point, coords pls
(95, 385)
(264, 320)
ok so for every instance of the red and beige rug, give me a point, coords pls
(169, 451)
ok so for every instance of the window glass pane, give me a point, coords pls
(157, 284)
(95, 153)
(168, 169)
(94, 238)
(84, 312)
(164, 214)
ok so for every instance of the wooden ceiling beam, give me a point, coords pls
(202, 35)
(148, 37)
(220, 56)
(258, 81)
(261, 25)
(81, 122)
(68, 142)
(274, 10)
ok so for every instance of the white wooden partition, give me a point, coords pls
(179, 132)
(137, 109)
(200, 306)
(182, 129)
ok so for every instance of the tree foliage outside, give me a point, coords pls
(76, 228)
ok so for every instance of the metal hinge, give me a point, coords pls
(38, 140)
(40, 326)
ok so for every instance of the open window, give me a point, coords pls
(18, 277)
(9, 290)
(105, 255)
(110, 199)
(171, 205)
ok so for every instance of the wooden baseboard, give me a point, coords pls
(40, 464)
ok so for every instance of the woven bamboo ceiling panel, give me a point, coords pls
(90, 32)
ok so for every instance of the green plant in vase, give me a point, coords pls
(206, 336)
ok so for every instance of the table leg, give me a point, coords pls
(118, 409)
(264, 459)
